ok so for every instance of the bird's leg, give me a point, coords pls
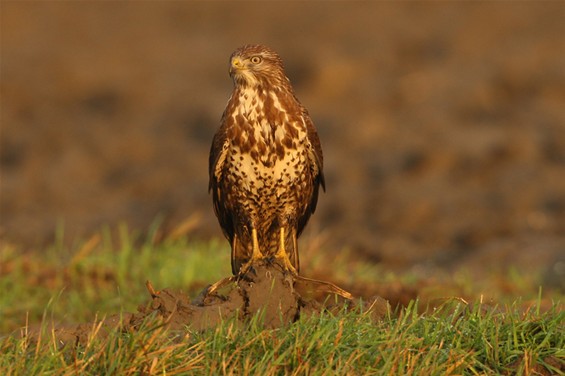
(255, 254)
(283, 256)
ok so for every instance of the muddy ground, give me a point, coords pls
(443, 125)
(265, 292)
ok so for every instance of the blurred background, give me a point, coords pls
(442, 124)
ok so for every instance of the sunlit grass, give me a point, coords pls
(448, 331)
(101, 275)
(454, 339)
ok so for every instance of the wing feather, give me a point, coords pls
(316, 161)
(218, 154)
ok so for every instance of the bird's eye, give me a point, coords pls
(256, 59)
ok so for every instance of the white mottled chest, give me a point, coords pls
(256, 162)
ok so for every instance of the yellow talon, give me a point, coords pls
(283, 256)
(256, 254)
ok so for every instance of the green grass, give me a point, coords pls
(451, 340)
(105, 275)
(101, 274)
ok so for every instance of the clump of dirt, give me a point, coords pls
(265, 289)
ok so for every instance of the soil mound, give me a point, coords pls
(279, 297)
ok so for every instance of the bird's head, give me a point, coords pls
(254, 65)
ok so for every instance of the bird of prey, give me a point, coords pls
(265, 163)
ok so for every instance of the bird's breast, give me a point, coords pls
(267, 153)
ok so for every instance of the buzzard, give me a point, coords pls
(265, 163)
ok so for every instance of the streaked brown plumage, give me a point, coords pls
(265, 162)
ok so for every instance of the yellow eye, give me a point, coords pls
(256, 59)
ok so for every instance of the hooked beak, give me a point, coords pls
(236, 65)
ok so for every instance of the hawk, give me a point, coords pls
(265, 163)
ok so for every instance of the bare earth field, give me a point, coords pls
(443, 125)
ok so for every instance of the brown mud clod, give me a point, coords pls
(278, 297)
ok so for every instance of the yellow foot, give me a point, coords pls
(256, 256)
(282, 256)
(255, 252)
(245, 269)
